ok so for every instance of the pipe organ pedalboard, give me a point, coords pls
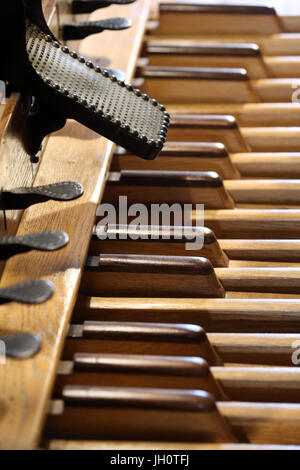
(150, 220)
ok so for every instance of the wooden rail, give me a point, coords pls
(74, 153)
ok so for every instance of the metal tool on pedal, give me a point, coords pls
(88, 6)
(28, 292)
(43, 241)
(21, 198)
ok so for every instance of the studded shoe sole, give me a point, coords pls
(74, 87)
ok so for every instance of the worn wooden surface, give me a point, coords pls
(74, 153)
(135, 446)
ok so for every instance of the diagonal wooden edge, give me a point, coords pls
(74, 153)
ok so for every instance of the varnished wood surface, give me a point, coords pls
(183, 156)
(283, 7)
(179, 85)
(244, 328)
(253, 223)
(139, 338)
(20, 170)
(194, 156)
(134, 370)
(229, 382)
(215, 54)
(175, 413)
(127, 445)
(150, 187)
(282, 44)
(74, 153)
(248, 114)
(148, 276)
(288, 10)
(214, 315)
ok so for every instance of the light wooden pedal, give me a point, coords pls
(241, 315)
(253, 223)
(191, 85)
(208, 128)
(184, 53)
(246, 114)
(199, 54)
(224, 129)
(194, 156)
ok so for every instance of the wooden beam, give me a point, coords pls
(74, 153)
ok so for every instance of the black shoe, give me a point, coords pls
(88, 6)
(37, 64)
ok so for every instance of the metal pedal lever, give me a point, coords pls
(88, 6)
(82, 29)
(28, 292)
(43, 241)
(21, 198)
(20, 346)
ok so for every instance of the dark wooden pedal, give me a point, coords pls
(98, 337)
(158, 187)
(237, 315)
(136, 413)
(183, 156)
(150, 276)
(182, 49)
(195, 17)
(192, 85)
(184, 53)
(208, 128)
(163, 241)
(135, 370)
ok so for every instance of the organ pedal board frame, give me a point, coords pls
(145, 345)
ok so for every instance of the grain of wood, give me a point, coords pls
(74, 153)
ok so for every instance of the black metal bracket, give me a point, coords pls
(42, 241)
(82, 29)
(88, 6)
(21, 198)
(40, 120)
